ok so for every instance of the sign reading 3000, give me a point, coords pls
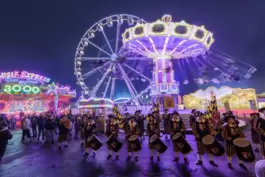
(16, 88)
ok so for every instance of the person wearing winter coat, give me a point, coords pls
(5, 135)
(26, 126)
(41, 126)
(49, 129)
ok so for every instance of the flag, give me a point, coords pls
(156, 106)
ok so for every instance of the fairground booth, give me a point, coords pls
(228, 98)
(22, 91)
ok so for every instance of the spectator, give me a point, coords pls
(26, 125)
(78, 123)
(49, 129)
(5, 135)
(41, 126)
(13, 122)
(34, 123)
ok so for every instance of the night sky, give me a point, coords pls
(41, 36)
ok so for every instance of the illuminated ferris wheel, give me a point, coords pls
(104, 68)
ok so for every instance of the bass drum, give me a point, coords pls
(213, 146)
(181, 143)
(244, 150)
(94, 143)
(158, 144)
(114, 143)
(134, 143)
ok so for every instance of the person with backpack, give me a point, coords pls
(5, 135)
(26, 125)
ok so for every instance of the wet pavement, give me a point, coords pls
(41, 160)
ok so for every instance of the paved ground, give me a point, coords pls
(40, 160)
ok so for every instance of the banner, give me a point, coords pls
(169, 102)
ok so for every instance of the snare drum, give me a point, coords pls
(94, 143)
(213, 146)
(158, 144)
(134, 144)
(114, 143)
(244, 150)
(181, 143)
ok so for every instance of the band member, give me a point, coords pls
(82, 127)
(64, 126)
(112, 130)
(126, 121)
(140, 121)
(176, 125)
(152, 129)
(132, 130)
(90, 128)
(230, 132)
(166, 118)
(254, 134)
(260, 128)
(157, 117)
(200, 129)
(192, 117)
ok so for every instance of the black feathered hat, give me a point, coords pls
(193, 111)
(254, 114)
(229, 117)
(175, 112)
(132, 117)
(261, 110)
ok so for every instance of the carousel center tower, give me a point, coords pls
(162, 41)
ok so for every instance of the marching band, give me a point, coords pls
(204, 130)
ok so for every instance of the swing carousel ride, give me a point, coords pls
(150, 60)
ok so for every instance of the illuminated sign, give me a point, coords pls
(16, 88)
(24, 75)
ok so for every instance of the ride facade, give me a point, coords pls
(22, 91)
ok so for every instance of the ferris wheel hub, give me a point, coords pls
(114, 56)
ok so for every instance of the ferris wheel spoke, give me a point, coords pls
(107, 86)
(129, 84)
(86, 75)
(93, 58)
(137, 58)
(145, 90)
(95, 89)
(117, 36)
(113, 85)
(99, 48)
(137, 72)
(102, 30)
(112, 89)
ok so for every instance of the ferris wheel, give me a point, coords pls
(106, 69)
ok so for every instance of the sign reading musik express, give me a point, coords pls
(23, 75)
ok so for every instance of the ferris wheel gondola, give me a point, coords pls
(102, 64)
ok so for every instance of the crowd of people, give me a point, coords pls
(46, 125)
